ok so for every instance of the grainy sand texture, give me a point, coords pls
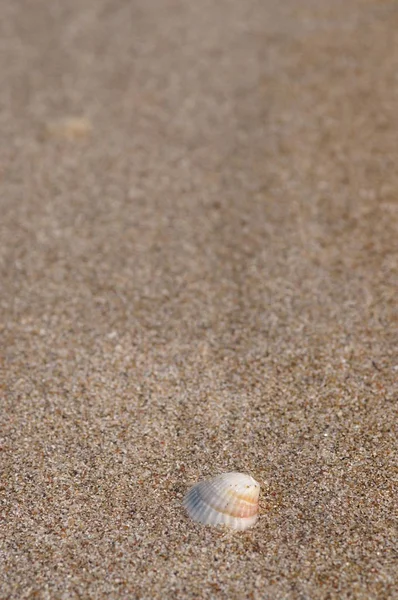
(198, 260)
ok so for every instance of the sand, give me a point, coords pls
(198, 258)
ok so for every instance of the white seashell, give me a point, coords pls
(229, 499)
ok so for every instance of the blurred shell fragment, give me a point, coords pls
(229, 499)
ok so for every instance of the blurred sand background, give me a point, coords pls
(198, 254)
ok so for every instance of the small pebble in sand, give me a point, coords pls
(229, 499)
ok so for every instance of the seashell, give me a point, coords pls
(229, 499)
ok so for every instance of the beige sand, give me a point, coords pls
(200, 277)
